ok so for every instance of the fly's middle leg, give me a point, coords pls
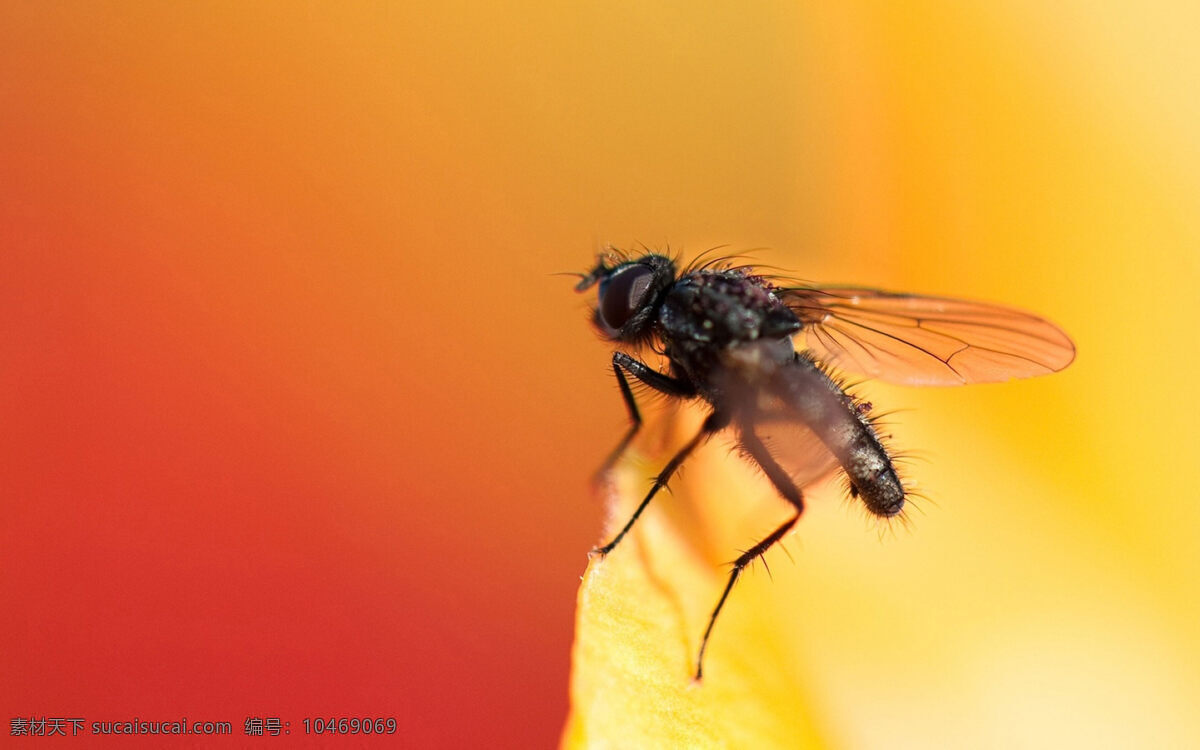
(715, 422)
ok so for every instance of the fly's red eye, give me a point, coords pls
(622, 293)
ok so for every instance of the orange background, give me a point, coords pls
(297, 423)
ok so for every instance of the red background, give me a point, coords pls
(279, 426)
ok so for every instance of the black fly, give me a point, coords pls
(730, 336)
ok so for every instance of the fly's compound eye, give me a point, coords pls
(622, 293)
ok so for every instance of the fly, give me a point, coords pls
(762, 353)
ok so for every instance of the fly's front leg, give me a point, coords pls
(786, 487)
(621, 363)
(715, 421)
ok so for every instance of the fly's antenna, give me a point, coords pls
(589, 279)
(576, 274)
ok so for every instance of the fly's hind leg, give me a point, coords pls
(715, 422)
(786, 487)
(622, 363)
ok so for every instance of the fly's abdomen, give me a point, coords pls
(846, 431)
(872, 476)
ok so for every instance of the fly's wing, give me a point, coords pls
(764, 410)
(917, 340)
(794, 446)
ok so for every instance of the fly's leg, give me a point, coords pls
(656, 380)
(715, 422)
(786, 487)
(738, 565)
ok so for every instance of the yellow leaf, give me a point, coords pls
(642, 609)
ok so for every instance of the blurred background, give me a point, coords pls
(298, 423)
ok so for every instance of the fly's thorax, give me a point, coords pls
(722, 308)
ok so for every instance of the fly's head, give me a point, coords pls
(630, 294)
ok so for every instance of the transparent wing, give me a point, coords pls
(794, 446)
(917, 340)
(758, 407)
(777, 424)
